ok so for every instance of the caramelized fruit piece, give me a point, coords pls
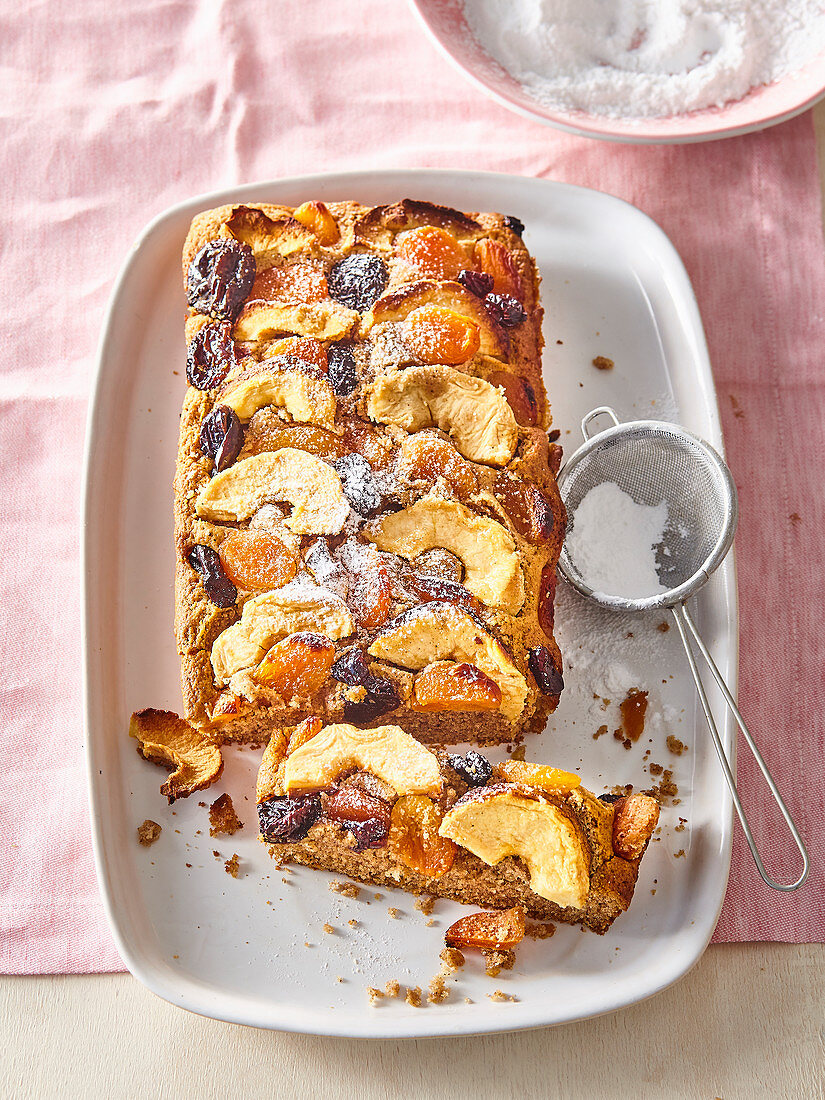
(366, 817)
(552, 780)
(228, 706)
(343, 374)
(494, 259)
(500, 929)
(285, 820)
(526, 506)
(431, 251)
(520, 396)
(448, 686)
(216, 584)
(425, 456)
(306, 348)
(304, 732)
(505, 309)
(257, 559)
(546, 670)
(359, 484)
(358, 280)
(547, 594)
(220, 278)
(210, 356)
(221, 436)
(315, 441)
(297, 666)
(316, 217)
(301, 281)
(414, 839)
(370, 596)
(473, 768)
(439, 335)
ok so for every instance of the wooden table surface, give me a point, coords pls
(747, 1022)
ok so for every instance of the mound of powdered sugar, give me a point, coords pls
(646, 58)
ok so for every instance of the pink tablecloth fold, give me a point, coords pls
(108, 114)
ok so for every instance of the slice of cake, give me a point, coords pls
(367, 521)
(378, 806)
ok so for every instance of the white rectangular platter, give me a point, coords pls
(253, 949)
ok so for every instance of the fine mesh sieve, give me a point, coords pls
(653, 461)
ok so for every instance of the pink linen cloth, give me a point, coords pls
(110, 113)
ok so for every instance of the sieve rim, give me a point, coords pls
(714, 559)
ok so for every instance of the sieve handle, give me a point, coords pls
(687, 626)
(603, 410)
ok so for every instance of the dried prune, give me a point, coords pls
(548, 677)
(220, 278)
(473, 768)
(352, 668)
(505, 309)
(285, 820)
(477, 282)
(221, 436)
(218, 587)
(381, 698)
(371, 833)
(210, 356)
(359, 484)
(357, 280)
(341, 374)
(514, 223)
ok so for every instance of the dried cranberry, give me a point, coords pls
(341, 373)
(359, 484)
(473, 768)
(508, 311)
(371, 833)
(284, 820)
(477, 282)
(549, 678)
(221, 436)
(218, 587)
(357, 280)
(210, 356)
(514, 223)
(352, 668)
(220, 278)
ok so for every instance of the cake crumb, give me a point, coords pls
(393, 913)
(348, 889)
(216, 853)
(392, 988)
(452, 958)
(352, 923)
(539, 931)
(680, 828)
(413, 997)
(663, 627)
(223, 821)
(680, 854)
(425, 905)
(467, 1001)
(329, 929)
(148, 832)
(495, 961)
(378, 897)
(518, 753)
(676, 746)
(231, 865)
(374, 994)
(601, 362)
(431, 923)
(438, 992)
(188, 864)
(500, 995)
(339, 978)
(600, 732)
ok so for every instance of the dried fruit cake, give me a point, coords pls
(367, 518)
(380, 807)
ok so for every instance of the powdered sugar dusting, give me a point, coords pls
(612, 542)
(646, 58)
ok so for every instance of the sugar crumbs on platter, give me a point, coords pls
(646, 58)
(612, 542)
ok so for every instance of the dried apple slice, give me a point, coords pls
(164, 738)
(290, 383)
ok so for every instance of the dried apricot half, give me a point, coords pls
(304, 732)
(494, 259)
(257, 560)
(318, 219)
(302, 281)
(440, 335)
(297, 666)
(452, 686)
(490, 930)
(304, 347)
(552, 780)
(414, 839)
(431, 252)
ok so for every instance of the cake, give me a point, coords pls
(367, 521)
(379, 806)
